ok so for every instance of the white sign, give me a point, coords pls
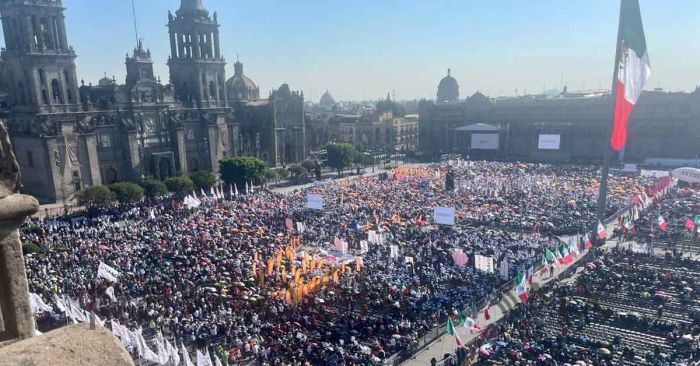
(549, 142)
(485, 141)
(444, 215)
(688, 175)
(654, 173)
(484, 264)
(314, 201)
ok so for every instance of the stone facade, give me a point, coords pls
(663, 125)
(376, 131)
(69, 135)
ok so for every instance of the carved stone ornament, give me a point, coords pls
(9, 169)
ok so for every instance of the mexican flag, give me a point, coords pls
(450, 329)
(588, 244)
(662, 223)
(573, 248)
(472, 325)
(632, 69)
(521, 288)
(566, 255)
(550, 256)
(602, 233)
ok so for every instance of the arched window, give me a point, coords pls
(44, 96)
(193, 165)
(110, 175)
(56, 92)
(212, 89)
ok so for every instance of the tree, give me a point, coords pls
(127, 192)
(270, 175)
(154, 188)
(31, 248)
(179, 185)
(203, 179)
(340, 156)
(282, 173)
(95, 196)
(297, 172)
(310, 165)
(364, 158)
(242, 170)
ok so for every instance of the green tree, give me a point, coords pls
(297, 172)
(95, 196)
(153, 188)
(179, 185)
(282, 173)
(271, 175)
(340, 156)
(310, 165)
(203, 179)
(242, 170)
(127, 192)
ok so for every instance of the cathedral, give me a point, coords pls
(68, 135)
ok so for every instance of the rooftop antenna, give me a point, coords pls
(136, 29)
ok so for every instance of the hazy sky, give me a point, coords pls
(361, 49)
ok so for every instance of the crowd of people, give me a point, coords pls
(264, 276)
(626, 309)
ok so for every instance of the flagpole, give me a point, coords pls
(603, 191)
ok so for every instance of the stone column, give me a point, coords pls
(14, 209)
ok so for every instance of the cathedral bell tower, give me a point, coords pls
(196, 64)
(39, 64)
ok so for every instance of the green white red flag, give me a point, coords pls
(602, 233)
(632, 69)
(450, 329)
(662, 223)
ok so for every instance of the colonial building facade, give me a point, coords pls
(567, 127)
(68, 135)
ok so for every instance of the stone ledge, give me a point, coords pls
(17, 206)
(74, 345)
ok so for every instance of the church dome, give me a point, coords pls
(240, 87)
(327, 100)
(448, 89)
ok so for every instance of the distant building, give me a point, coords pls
(565, 127)
(68, 135)
(326, 102)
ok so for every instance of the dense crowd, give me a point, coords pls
(625, 309)
(222, 274)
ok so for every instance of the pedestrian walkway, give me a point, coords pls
(509, 300)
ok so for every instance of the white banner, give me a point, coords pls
(688, 175)
(314, 201)
(549, 142)
(107, 272)
(444, 215)
(393, 251)
(485, 141)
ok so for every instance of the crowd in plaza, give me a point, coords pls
(268, 279)
(626, 309)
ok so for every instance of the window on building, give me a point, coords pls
(106, 141)
(190, 134)
(76, 181)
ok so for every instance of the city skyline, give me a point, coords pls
(357, 53)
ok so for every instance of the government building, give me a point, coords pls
(68, 135)
(560, 127)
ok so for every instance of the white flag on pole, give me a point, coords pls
(110, 292)
(186, 356)
(172, 351)
(37, 304)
